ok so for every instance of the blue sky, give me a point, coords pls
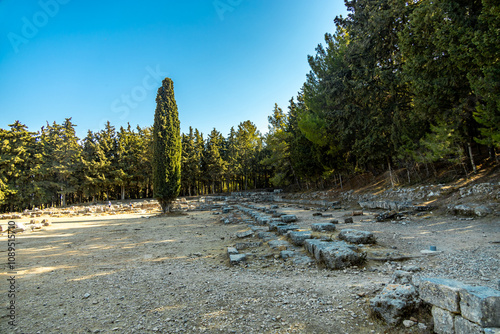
(94, 61)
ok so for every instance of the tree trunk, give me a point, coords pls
(123, 193)
(474, 169)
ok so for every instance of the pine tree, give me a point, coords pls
(166, 147)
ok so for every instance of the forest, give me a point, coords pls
(398, 85)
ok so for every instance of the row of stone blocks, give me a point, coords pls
(334, 254)
(461, 309)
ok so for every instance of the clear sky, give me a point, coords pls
(94, 61)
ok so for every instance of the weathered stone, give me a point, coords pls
(443, 321)
(402, 277)
(386, 216)
(481, 305)
(412, 268)
(387, 205)
(443, 293)
(245, 245)
(245, 234)
(273, 226)
(338, 255)
(279, 244)
(491, 330)
(298, 237)
(285, 254)
(282, 230)
(266, 236)
(323, 227)
(464, 210)
(313, 245)
(357, 237)
(395, 302)
(349, 220)
(289, 218)
(232, 251)
(482, 211)
(408, 323)
(464, 326)
(237, 258)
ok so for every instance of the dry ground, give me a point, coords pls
(132, 274)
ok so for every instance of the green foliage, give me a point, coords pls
(166, 146)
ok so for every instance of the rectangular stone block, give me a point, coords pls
(464, 326)
(443, 293)
(481, 305)
(237, 258)
(443, 321)
(231, 251)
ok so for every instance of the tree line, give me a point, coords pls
(400, 84)
(53, 167)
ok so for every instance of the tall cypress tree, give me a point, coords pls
(167, 147)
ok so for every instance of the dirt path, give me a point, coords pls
(131, 274)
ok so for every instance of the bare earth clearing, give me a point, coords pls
(136, 274)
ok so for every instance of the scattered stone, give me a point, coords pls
(273, 226)
(235, 259)
(338, 255)
(357, 237)
(386, 216)
(279, 244)
(394, 302)
(357, 213)
(85, 296)
(317, 214)
(245, 234)
(245, 245)
(408, 323)
(349, 220)
(298, 237)
(232, 251)
(412, 268)
(482, 211)
(282, 230)
(266, 236)
(289, 218)
(285, 254)
(402, 277)
(323, 227)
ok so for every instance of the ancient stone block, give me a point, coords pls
(395, 302)
(288, 218)
(279, 244)
(443, 321)
(237, 258)
(338, 255)
(281, 230)
(245, 234)
(323, 227)
(464, 326)
(298, 237)
(443, 293)
(231, 251)
(481, 305)
(357, 237)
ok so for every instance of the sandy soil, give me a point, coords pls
(137, 274)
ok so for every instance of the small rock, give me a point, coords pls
(85, 296)
(408, 323)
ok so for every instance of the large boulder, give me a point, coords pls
(395, 302)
